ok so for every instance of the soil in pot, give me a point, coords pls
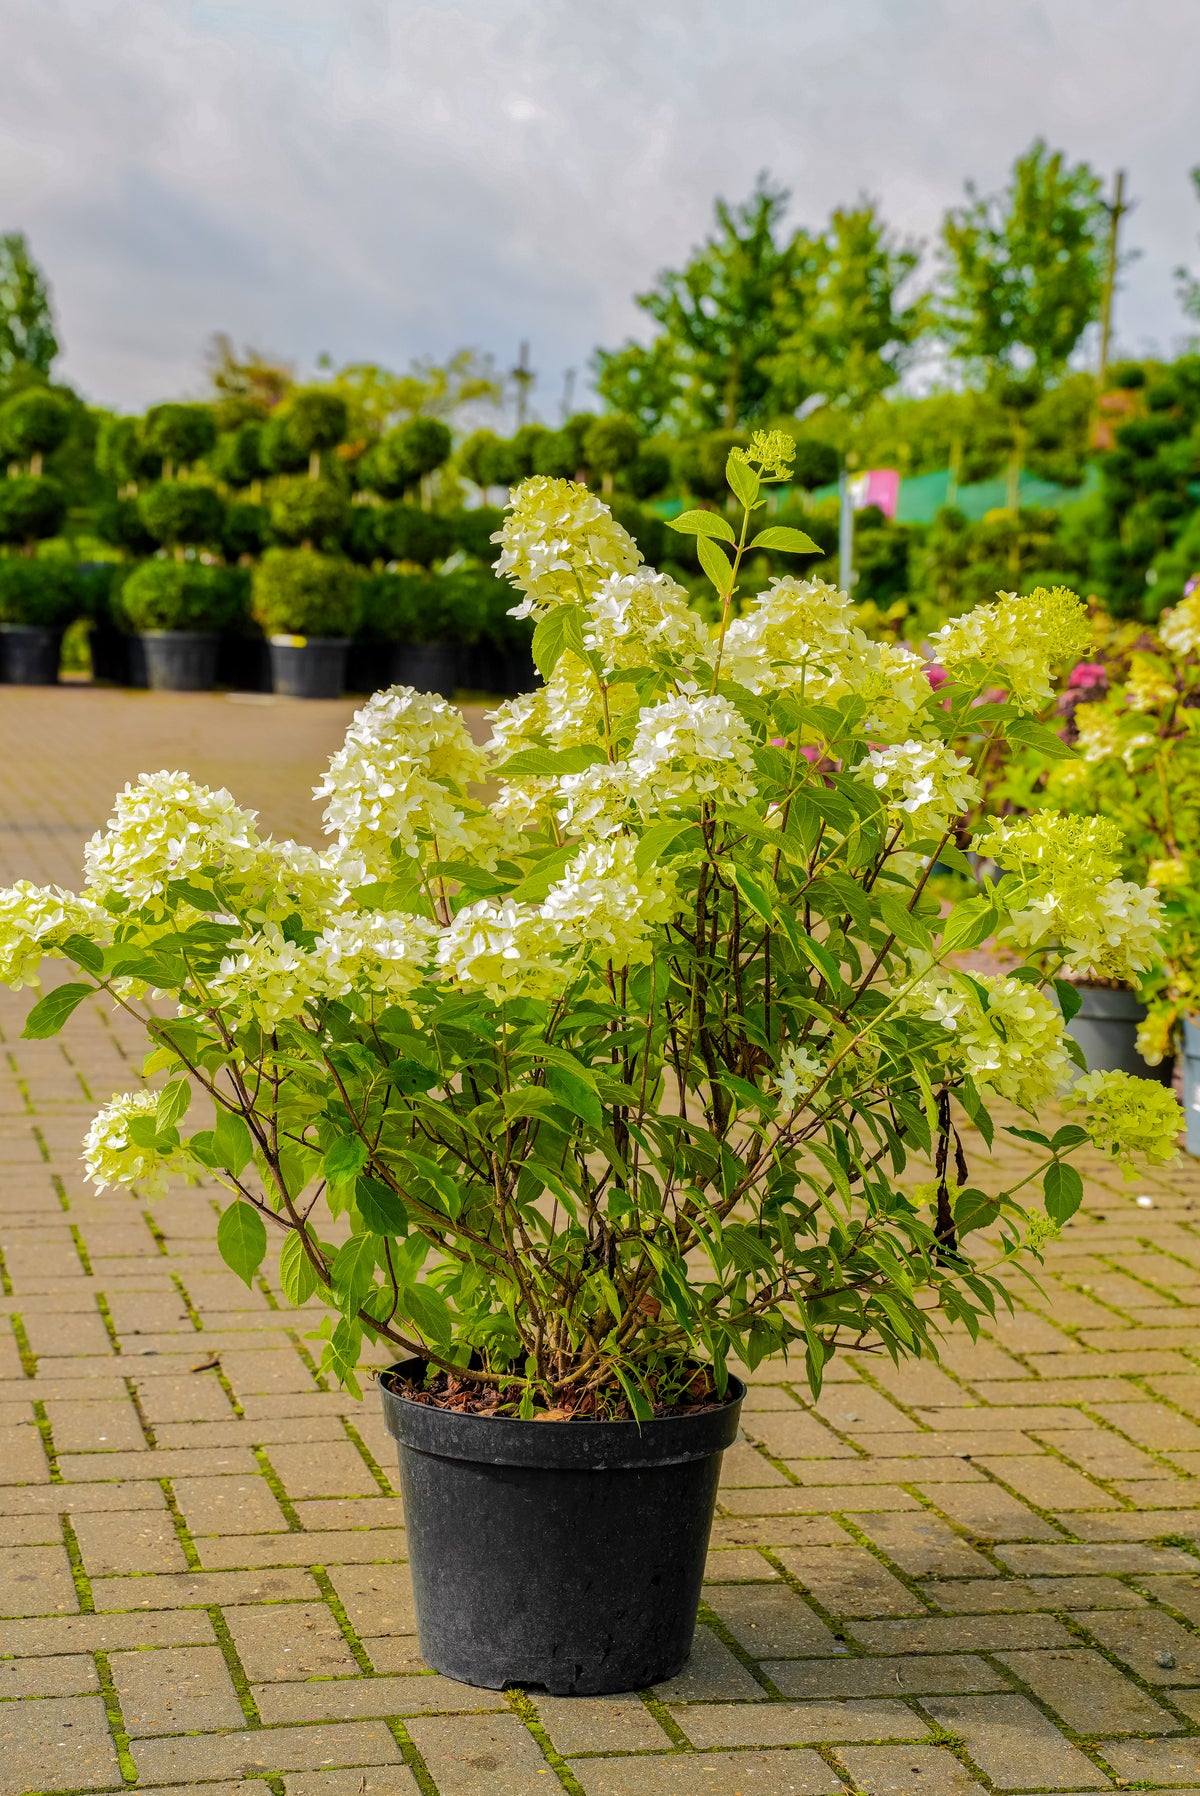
(180, 660)
(29, 654)
(565, 1556)
(308, 666)
(1106, 1025)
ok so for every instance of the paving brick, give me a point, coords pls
(203, 1756)
(712, 1674)
(54, 1635)
(377, 1598)
(923, 1546)
(36, 1581)
(1014, 1744)
(186, 1690)
(737, 1565)
(849, 1581)
(798, 1724)
(289, 1640)
(329, 1547)
(1114, 1557)
(1152, 1424)
(172, 1462)
(392, 1780)
(1088, 1694)
(795, 1434)
(354, 1512)
(71, 1674)
(83, 1427)
(61, 1743)
(22, 1460)
(600, 1724)
(142, 1541)
(770, 1621)
(775, 1531)
(194, 1397)
(744, 1467)
(327, 1469)
(1138, 1636)
(977, 1596)
(241, 1504)
(1156, 1762)
(892, 1771)
(960, 1633)
(1046, 1481)
(921, 1674)
(474, 1754)
(989, 1512)
(796, 1773)
(351, 1699)
(174, 1590)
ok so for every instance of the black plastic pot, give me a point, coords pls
(243, 663)
(369, 665)
(561, 1556)
(1106, 1026)
(426, 667)
(29, 654)
(180, 660)
(308, 666)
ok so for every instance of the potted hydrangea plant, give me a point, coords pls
(587, 1065)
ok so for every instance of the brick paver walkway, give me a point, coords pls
(983, 1576)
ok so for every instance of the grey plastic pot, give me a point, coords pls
(1106, 1025)
(308, 666)
(561, 1556)
(427, 667)
(29, 654)
(180, 660)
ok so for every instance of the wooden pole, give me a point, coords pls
(1115, 212)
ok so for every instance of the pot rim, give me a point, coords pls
(583, 1446)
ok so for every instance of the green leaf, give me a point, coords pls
(749, 888)
(904, 924)
(654, 844)
(242, 1239)
(1031, 734)
(1069, 998)
(344, 1160)
(715, 563)
(559, 630)
(537, 882)
(51, 1012)
(353, 1271)
(428, 1309)
(782, 536)
(380, 1208)
(551, 763)
(297, 1274)
(742, 479)
(575, 1094)
(1063, 1190)
(702, 523)
(440, 1180)
(969, 923)
(231, 1143)
(529, 1100)
(173, 1101)
(84, 953)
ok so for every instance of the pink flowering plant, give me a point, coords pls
(630, 1041)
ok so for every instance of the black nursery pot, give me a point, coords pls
(29, 654)
(180, 660)
(308, 666)
(427, 667)
(561, 1556)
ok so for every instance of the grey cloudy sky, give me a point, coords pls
(377, 179)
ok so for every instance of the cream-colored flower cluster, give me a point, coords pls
(642, 620)
(1128, 1118)
(604, 905)
(505, 949)
(165, 826)
(1013, 1043)
(1179, 628)
(923, 784)
(688, 748)
(559, 543)
(111, 1157)
(1069, 897)
(800, 636)
(400, 779)
(34, 920)
(1015, 642)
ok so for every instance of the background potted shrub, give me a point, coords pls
(307, 605)
(38, 599)
(571, 1097)
(178, 609)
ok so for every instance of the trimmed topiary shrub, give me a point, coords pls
(33, 424)
(472, 531)
(47, 593)
(297, 592)
(237, 456)
(309, 511)
(246, 530)
(182, 511)
(181, 595)
(31, 509)
(179, 434)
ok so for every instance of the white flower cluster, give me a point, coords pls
(1015, 642)
(505, 949)
(1069, 896)
(112, 1158)
(382, 954)
(923, 784)
(603, 905)
(1129, 1119)
(558, 544)
(640, 619)
(689, 747)
(1179, 628)
(36, 919)
(163, 827)
(799, 1071)
(400, 777)
(801, 635)
(1013, 1044)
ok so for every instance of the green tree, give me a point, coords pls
(610, 445)
(850, 338)
(724, 317)
(640, 382)
(316, 419)
(377, 399)
(28, 345)
(33, 423)
(180, 434)
(1022, 271)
